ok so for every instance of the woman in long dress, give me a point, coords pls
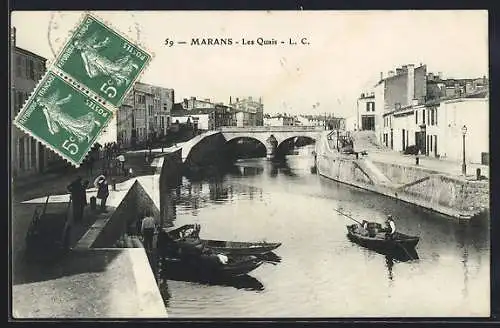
(80, 127)
(96, 64)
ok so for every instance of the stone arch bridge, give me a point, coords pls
(270, 136)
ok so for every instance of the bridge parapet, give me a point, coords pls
(285, 128)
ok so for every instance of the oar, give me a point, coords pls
(348, 216)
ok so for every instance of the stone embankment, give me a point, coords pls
(434, 186)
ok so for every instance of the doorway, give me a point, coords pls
(404, 140)
(420, 140)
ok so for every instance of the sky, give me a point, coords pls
(347, 50)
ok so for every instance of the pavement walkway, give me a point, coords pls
(366, 140)
(440, 165)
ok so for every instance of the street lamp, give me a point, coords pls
(464, 166)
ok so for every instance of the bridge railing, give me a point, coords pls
(285, 128)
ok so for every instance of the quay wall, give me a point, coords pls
(170, 177)
(131, 208)
(448, 195)
(443, 189)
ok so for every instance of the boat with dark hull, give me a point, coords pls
(399, 243)
(178, 235)
(210, 266)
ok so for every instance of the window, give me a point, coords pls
(19, 66)
(432, 116)
(416, 117)
(423, 116)
(436, 118)
(367, 106)
(373, 106)
(150, 110)
(33, 152)
(141, 99)
(21, 153)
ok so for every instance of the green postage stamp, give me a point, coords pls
(63, 118)
(102, 60)
(77, 97)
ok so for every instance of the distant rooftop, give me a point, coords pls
(29, 53)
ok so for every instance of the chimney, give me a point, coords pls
(430, 77)
(410, 90)
(390, 74)
(229, 100)
(399, 71)
(381, 75)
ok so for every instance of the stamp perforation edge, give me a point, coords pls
(43, 142)
(52, 68)
(104, 23)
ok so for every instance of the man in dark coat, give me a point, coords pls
(78, 198)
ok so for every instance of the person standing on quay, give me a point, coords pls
(78, 198)
(102, 191)
(148, 230)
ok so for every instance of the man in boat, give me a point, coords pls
(363, 230)
(391, 227)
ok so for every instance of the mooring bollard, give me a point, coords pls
(478, 173)
(417, 160)
(113, 182)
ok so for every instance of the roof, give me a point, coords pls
(397, 75)
(29, 53)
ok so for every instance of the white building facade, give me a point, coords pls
(437, 129)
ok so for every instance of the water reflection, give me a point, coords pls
(258, 199)
(245, 282)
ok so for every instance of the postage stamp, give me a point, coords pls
(63, 118)
(102, 60)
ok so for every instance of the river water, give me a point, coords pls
(322, 273)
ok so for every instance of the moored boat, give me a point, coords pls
(178, 235)
(377, 240)
(211, 265)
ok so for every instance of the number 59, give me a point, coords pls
(108, 90)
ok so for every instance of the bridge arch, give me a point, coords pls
(237, 139)
(284, 141)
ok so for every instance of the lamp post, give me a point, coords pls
(464, 166)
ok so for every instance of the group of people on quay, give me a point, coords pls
(78, 194)
(111, 158)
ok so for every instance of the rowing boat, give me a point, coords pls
(378, 241)
(180, 234)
